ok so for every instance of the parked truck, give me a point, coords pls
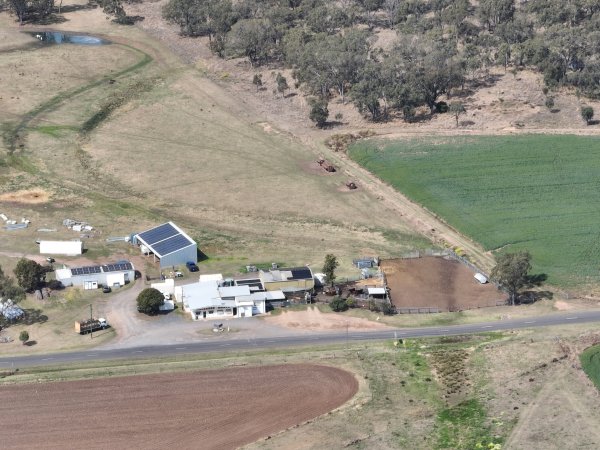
(89, 325)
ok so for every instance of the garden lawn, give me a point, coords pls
(534, 192)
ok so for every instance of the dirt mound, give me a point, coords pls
(436, 283)
(314, 320)
(211, 409)
(29, 197)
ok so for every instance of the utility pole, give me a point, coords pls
(91, 320)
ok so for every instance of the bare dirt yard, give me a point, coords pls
(434, 282)
(207, 409)
(314, 320)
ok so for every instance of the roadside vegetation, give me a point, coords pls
(502, 196)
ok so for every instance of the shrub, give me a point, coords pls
(388, 309)
(24, 337)
(587, 113)
(549, 102)
(441, 107)
(338, 304)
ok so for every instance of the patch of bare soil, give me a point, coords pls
(314, 320)
(215, 409)
(433, 282)
(28, 196)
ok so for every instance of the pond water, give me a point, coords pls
(55, 38)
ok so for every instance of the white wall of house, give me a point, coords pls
(115, 278)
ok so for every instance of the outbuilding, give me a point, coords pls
(169, 243)
(290, 281)
(92, 277)
(68, 248)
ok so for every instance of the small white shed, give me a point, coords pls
(481, 278)
(69, 248)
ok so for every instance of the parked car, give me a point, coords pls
(106, 289)
(178, 274)
(192, 267)
(50, 260)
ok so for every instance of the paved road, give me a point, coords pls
(217, 345)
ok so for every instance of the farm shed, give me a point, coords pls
(167, 287)
(68, 248)
(169, 243)
(376, 292)
(209, 300)
(91, 277)
(296, 279)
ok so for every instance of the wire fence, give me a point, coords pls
(453, 308)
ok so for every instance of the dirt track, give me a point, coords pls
(215, 409)
(436, 283)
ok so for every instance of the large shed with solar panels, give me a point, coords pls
(169, 243)
(92, 277)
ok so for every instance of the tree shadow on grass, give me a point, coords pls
(33, 316)
(535, 279)
(30, 343)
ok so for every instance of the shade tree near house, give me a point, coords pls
(149, 301)
(329, 267)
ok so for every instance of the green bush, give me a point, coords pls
(149, 301)
(441, 107)
(24, 337)
(338, 304)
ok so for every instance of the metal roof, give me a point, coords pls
(87, 270)
(165, 239)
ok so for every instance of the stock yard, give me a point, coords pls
(436, 284)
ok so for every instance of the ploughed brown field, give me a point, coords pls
(213, 409)
(434, 282)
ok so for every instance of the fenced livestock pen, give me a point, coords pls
(437, 281)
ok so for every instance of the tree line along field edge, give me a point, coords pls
(534, 192)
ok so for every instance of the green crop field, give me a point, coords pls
(535, 192)
(590, 362)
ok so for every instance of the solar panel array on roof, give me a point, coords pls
(301, 273)
(172, 244)
(158, 234)
(165, 239)
(86, 270)
(117, 267)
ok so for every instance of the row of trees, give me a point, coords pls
(29, 9)
(441, 44)
(40, 10)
